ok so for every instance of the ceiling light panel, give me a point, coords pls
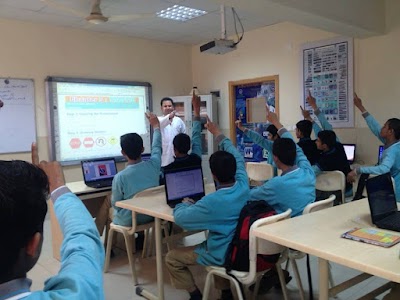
(180, 13)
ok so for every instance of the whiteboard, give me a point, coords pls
(17, 116)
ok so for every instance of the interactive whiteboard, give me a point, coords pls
(88, 117)
(17, 115)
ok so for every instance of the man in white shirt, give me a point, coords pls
(170, 126)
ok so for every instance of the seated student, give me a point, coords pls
(217, 212)
(295, 188)
(272, 135)
(138, 175)
(181, 142)
(389, 134)
(332, 157)
(303, 133)
(24, 190)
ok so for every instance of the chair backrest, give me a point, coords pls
(319, 205)
(331, 181)
(259, 171)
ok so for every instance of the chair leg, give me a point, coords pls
(282, 281)
(144, 250)
(166, 235)
(331, 281)
(207, 286)
(108, 249)
(128, 244)
(298, 278)
(256, 288)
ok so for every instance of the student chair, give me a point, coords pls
(295, 254)
(259, 172)
(256, 246)
(128, 233)
(332, 181)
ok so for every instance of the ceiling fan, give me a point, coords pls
(96, 16)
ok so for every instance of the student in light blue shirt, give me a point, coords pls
(24, 190)
(389, 134)
(138, 175)
(295, 188)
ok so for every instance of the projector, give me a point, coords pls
(216, 46)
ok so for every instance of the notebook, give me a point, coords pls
(183, 183)
(350, 150)
(372, 236)
(99, 173)
(380, 151)
(382, 202)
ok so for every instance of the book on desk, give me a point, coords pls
(372, 236)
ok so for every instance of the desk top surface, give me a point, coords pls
(152, 202)
(319, 234)
(79, 187)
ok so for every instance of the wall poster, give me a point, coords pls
(248, 101)
(327, 72)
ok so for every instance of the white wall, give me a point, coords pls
(274, 50)
(36, 51)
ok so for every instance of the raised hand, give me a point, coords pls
(153, 120)
(212, 127)
(306, 114)
(52, 169)
(311, 100)
(273, 119)
(358, 103)
(196, 102)
(239, 125)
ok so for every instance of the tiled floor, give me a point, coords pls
(118, 281)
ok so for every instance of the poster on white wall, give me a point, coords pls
(327, 72)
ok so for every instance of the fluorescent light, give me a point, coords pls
(180, 13)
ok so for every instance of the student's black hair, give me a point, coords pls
(272, 130)
(305, 127)
(181, 143)
(166, 99)
(132, 145)
(223, 166)
(285, 150)
(394, 124)
(24, 190)
(327, 137)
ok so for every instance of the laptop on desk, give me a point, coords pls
(99, 173)
(380, 152)
(350, 150)
(382, 202)
(183, 183)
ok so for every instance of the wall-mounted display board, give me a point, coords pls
(88, 116)
(17, 115)
(327, 72)
(248, 101)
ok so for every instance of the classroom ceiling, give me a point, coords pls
(356, 18)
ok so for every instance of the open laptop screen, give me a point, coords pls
(381, 196)
(350, 150)
(99, 169)
(380, 151)
(181, 183)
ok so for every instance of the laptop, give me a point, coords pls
(380, 152)
(183, 183)
(99, 173)
(382, 202)
(350, 150)
(146, 156)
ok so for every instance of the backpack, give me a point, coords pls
(237, 256)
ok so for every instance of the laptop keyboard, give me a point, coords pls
(392, 223)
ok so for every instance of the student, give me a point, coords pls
(181, 142)
(295, 188)
(24, 191)
(389, 134)
(217, 212)
(272, 135)
(170, 126)
(332, 157)
(303, 133)
(138, 175)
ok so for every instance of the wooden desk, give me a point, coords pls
(152, 202)
(84, 193)
(319, 234)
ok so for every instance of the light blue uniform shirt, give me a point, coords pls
(134, 179)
